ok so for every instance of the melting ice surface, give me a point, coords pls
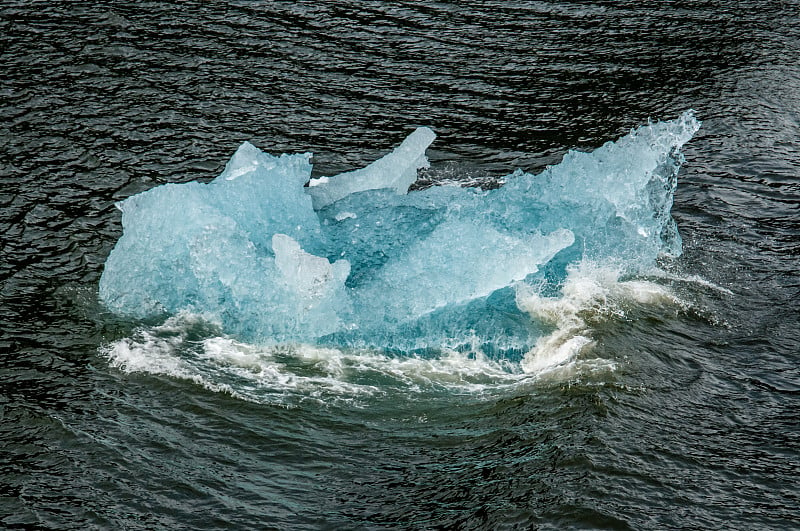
(356, 261)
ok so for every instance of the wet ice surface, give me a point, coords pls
(375, 267)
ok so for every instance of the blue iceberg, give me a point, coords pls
(275, 256)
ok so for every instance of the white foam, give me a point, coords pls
(187, 347)
(288, 374)
(589, 291)
(693, 279)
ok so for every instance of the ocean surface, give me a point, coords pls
(684, 413)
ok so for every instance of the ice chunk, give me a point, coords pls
(461, 260)
(308, 275)
(396, 171)
(616, 199)
(341, 216)
(210, 248)
(376, 266)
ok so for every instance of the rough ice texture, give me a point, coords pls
(356, 260)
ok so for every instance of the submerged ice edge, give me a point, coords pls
(190, 347)
(377, 268)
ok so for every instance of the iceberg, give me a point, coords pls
(357, 260)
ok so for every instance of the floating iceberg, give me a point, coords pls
(356, 260)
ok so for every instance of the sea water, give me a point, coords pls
(679, 410)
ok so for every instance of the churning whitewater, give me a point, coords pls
(356, 273)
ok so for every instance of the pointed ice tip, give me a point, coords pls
(424, 132)
(396, 170)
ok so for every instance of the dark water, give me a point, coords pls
(698, 424)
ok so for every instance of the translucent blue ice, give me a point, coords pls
(396, 171)
(356, 260)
